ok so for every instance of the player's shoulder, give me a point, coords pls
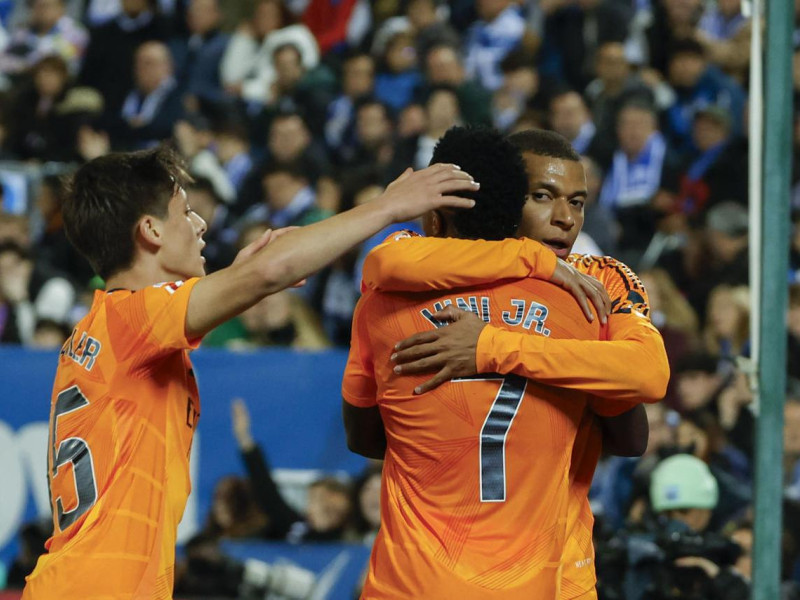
(607, 269)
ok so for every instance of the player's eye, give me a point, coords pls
(577, 202)
(539, 196)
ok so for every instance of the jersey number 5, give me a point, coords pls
(495, 431)
(76, 451)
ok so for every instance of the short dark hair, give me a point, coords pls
(497, 165)
(544, 143)
(686, 46)
(106, 198)
(297, 169)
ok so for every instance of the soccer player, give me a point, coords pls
(627, 369)
(125, 402)
(476, 474)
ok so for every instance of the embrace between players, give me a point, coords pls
(487, 465)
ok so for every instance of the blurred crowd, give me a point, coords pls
(290, 111)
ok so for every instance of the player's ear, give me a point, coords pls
(149, 229)
(433, 223)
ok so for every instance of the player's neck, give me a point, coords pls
(140, 275)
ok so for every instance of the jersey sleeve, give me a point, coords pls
(153, 320)
(628, 368)
(416, 264)
(359, 387)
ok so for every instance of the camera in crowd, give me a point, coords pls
(674, 555)
(210, 572)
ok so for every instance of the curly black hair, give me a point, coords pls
(497, 165)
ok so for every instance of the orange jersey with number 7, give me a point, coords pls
(629, 368)
(122, 417)
(476, 476)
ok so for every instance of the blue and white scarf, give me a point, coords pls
(145, 108)
(634, 182)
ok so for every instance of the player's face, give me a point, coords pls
(553, 211)
(183, 239)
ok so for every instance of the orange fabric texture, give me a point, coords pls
(632, 369)
(464, 514)
(123, 414)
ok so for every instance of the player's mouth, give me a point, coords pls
(560, 247)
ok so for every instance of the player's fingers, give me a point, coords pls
(599, 302)
(583, 301)
(408, 355)
(454, 202)
(449, 313)
(425, 337)
(441, 377)
(450, 172)
(423, 365)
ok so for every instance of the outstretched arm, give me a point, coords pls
(273, 267)
(453, 263)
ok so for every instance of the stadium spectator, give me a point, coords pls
(444, 66)
(727, 330)
(328, 506)
(367, 504)
(570, 116)
(793, 331)
(289, 199)
(48, 112)
(48, 31)
(358, 80)
(718, 168)
(599, 223)
(616, 83)
(398, 78)
(574, 31)
(153, 105)
(247, 68)
(374, 136)
(698, 381)
(198, 57)
(791, 442)
(698, 84)
(195, 141)
(234, 151)
(725, 33)
(337, 24)
(109, 63)
(639, 167)
(429, 28)
(53, 250)
(521, 90)
(441, 113)
(498, 32)
(235, 512)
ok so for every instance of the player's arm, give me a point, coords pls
(626, 434)
(449, 263)
(363, 424)
(301, 252)
(364, 428)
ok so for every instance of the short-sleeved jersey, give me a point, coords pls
(628, 298)
(123, 413)
(476, 474)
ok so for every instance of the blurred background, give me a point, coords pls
(290, 111)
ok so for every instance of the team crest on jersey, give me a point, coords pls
(170, 286)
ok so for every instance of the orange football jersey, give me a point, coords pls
(123, 413)
(476, 476)
(629, 302)
(394, 266)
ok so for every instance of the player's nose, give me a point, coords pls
(562, 215)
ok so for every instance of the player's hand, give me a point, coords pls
(448, 351)
(416, 192)
(240, 417)
(585, 288)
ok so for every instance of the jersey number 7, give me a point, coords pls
(494, 432)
